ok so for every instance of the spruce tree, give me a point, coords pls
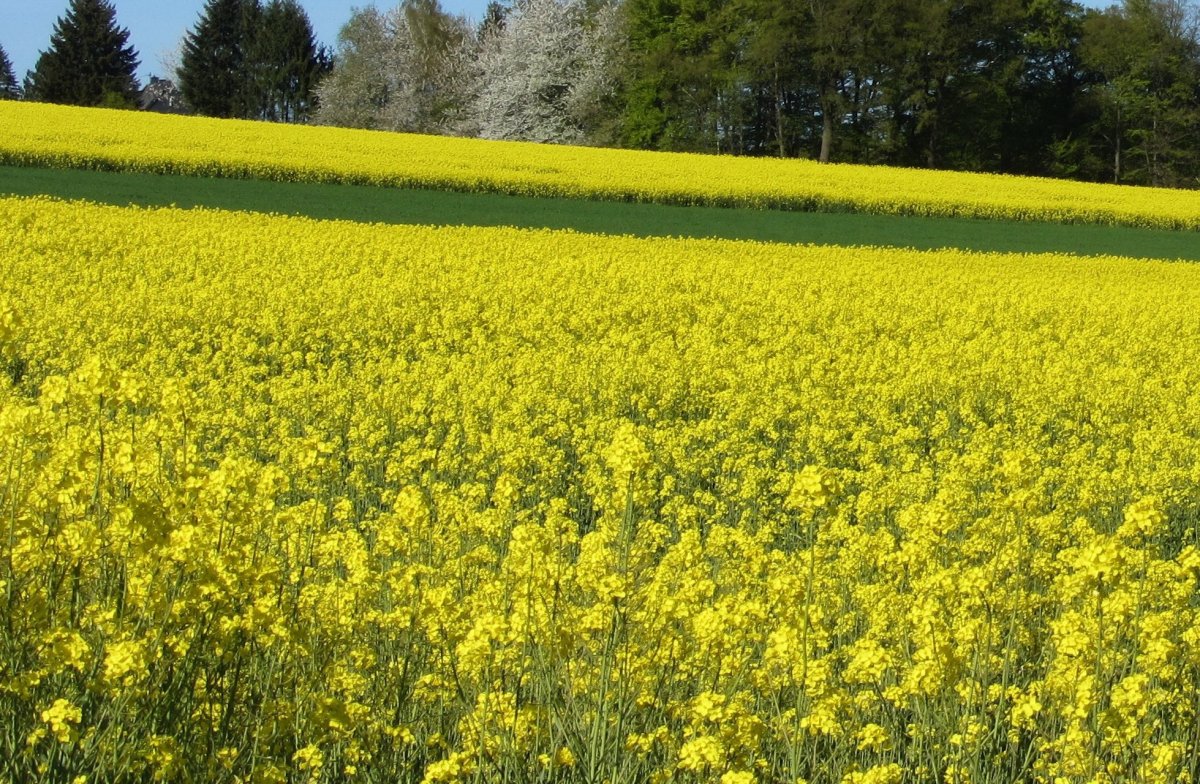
(247, 60)
(8, 82)
(89, 62)
(287, 62)
(214, 76)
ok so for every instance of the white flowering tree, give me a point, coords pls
(545, 72)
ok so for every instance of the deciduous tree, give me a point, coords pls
(407, 69)
(1147, 53)
(545, 71)
(671, 88)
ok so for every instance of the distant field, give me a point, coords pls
(68, 137)
(368, 204)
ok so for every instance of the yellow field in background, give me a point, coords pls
(290, 500)
(42, 134)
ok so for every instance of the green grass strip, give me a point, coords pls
(399, 206)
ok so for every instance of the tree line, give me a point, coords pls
(243, 58)
(1044, 87)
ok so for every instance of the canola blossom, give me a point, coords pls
(285, 500)
(61, 136)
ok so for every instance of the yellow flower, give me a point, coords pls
(124, 662)
(1143, 518)
(738, 777)
(62, 718)
(310, 759)
(701, 754)
(873, 737)
(890, 773)
(813, 488)
(626, 455)
(1024, 711)
(451, 769)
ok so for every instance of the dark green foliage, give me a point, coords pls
(89, 62)
(244, 59)
(681, 75)
(1146, 59)
(287, 63)
(1019, 86)
(214, 75)
(9, 89)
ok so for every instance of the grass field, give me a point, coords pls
(368, 204)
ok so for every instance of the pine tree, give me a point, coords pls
(287, 63)
(215, 76)
(89, 62)
(244, 59)
(8, 82)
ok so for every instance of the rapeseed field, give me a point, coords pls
(61, 136)
(295, 501)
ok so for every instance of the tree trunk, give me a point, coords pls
(931, 152)
(779, 115)
(1117, 155)
(826, 135)
(1152, 161)
(827, 105)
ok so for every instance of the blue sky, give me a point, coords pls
(157, 26)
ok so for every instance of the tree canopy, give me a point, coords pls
(8, 81)
(411, 68)
(1021, 86)
(89, 61)
(214, 75)
(249, 60)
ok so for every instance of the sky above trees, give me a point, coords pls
(157, 28)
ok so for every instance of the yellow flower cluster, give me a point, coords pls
(283, 500)
(47, 135)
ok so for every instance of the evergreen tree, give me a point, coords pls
(8, 82)
(89, 62)
(215, 73)
(244, 59)
(287, 63)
